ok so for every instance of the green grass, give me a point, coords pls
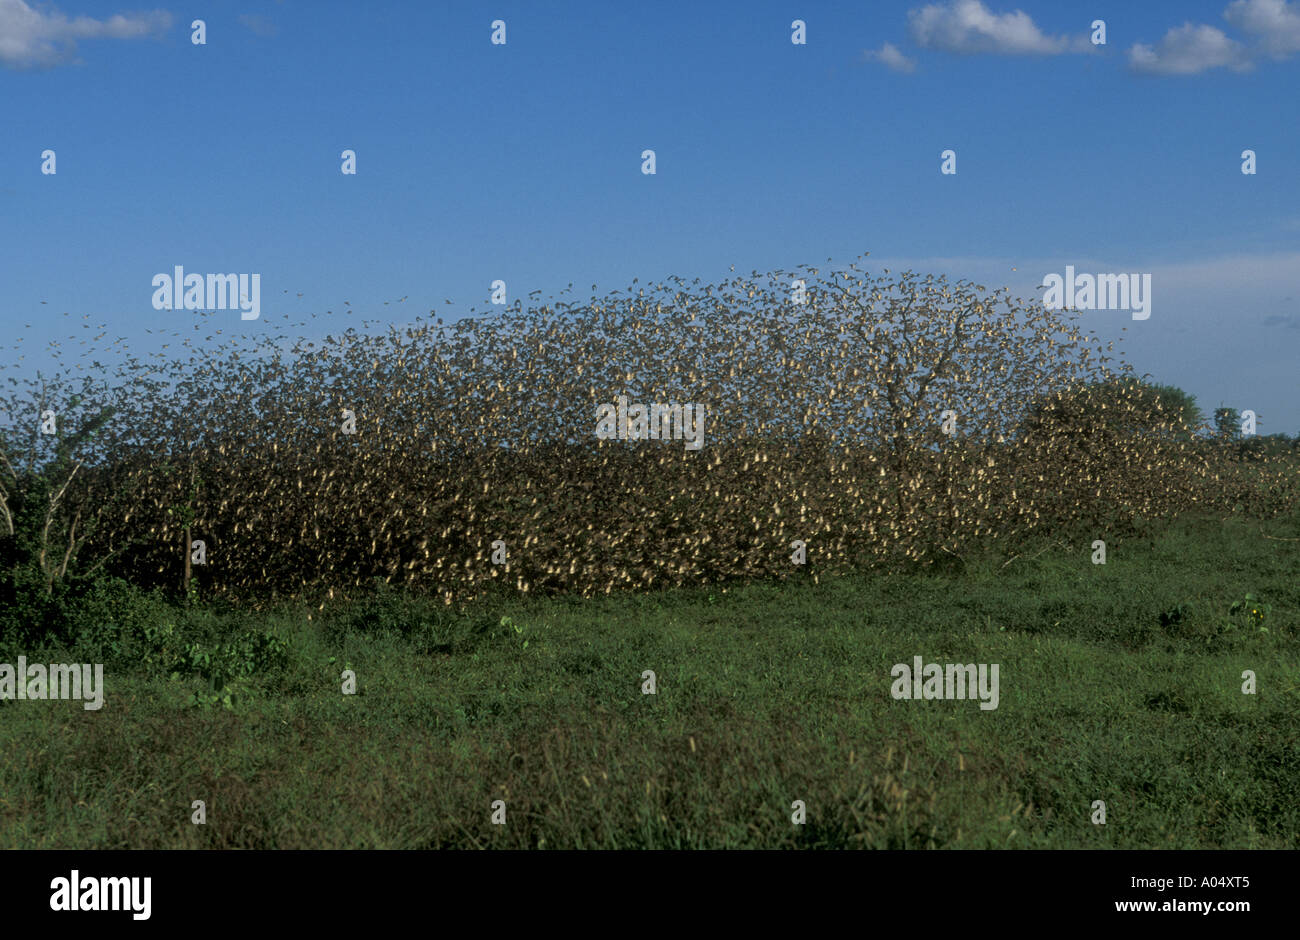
(1119, 683)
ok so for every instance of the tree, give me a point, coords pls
(38, 530)
(1227, 422)
(1179, 405)
(1121, 405)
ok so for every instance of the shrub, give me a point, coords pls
(115, 621)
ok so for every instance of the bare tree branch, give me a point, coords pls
(72, 543)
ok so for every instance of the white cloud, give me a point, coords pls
(1275, 23)
(968, 26)
(1189, 50)
(889, 56)
(30, 38)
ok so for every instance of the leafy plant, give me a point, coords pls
(518, 629)
(219, 694)
(1253, 610)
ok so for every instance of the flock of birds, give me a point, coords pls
(849, 420)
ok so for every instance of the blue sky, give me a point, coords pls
(523, 161)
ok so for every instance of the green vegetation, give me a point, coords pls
(1120, 682)
(1123, 404)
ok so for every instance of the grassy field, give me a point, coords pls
(1119, 682)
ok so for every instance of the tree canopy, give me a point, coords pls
(1122, 404)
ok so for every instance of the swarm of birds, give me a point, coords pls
(872, 420)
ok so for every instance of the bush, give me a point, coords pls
(115, 622)
(230, 668)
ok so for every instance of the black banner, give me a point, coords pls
(363, 889)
